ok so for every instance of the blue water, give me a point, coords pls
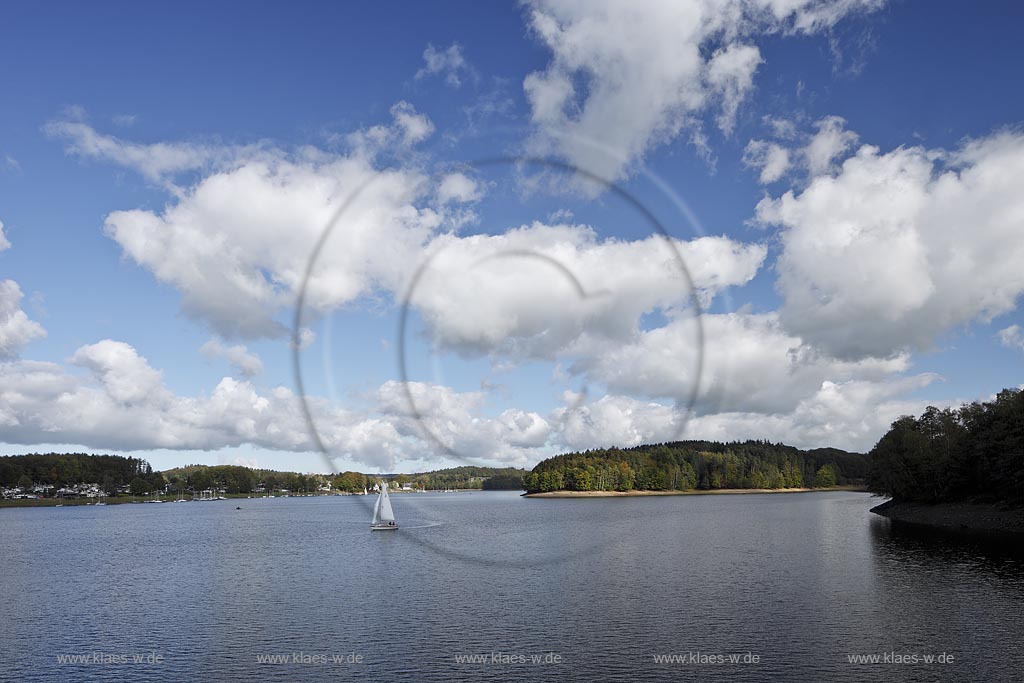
(594, 588)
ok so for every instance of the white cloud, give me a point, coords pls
(851, 415)
(4, 244)
(1012, 337)
(157, 162)
(771, 158)
(16, 329)
(615, 421)
(247, 363)
(830, 141)
(448, 62)
(458, 187)
(625, 77)
(516, 293)
(125, 375)
(894, 249)
(237, 244)
(407, 128)
(751, 365)
(122, 404)
(730, 74)
(816, 155)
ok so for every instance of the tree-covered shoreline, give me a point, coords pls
(698, 465)
(971, 454)
(72, 475)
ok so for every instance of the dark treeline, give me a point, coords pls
(239, 479)
(112, 472)
(466, 477)
(64, 469)
(685, 465)
(973, 453)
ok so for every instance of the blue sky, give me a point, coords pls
(851, 166)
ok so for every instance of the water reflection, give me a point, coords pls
(949, 591)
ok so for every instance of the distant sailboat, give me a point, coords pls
(383, 515)
(365, 492)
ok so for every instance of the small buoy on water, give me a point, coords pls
(238, 508)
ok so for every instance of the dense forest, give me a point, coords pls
(63, 469)
(466, 477)
(685, 465)
(112, 472)
(974, 453)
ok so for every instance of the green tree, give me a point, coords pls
(825, 477)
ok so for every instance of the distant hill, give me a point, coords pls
(686, 465)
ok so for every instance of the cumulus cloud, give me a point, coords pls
(851, 415)
(771, 158)
(237, 244)
(126, 376)
(619, 421)
(539, 290)
(448, 62)
(16, 328)
(750, 365)
(123, 404)
(407, 128)
(156, 162)
(730, 75)
(245, 362)
(4, 244)
(893, 249)
(830, 141)
(635, 75)
(1012, 337)
(814, 153)
(458, 187)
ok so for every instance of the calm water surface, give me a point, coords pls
(603, 585)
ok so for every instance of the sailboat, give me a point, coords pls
(383, 515)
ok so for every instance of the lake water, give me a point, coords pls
(595, 589)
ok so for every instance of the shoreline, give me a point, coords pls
(969, 517)
(689, 492)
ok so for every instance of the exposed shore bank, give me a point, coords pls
(985, 517)
(690, 492)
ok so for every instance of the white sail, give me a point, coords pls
(386, 513)
(383, 515)
(376, 512)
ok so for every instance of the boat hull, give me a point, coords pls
(382, 527)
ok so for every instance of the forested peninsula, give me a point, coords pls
(960, 468)
(697, 466)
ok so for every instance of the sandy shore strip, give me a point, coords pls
(690, 492)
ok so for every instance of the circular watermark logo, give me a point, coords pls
(684, 405)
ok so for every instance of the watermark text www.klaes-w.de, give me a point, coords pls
(99, 658)
(708, 658)
(510, 658)
(310, 658)
(901, 658)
